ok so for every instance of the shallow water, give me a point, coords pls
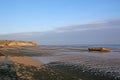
(95, 54)
(52, 57)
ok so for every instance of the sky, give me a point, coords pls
(18, 16)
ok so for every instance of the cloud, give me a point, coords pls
(115, 23)
(106, 31)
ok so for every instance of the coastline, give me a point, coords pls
(29, 62)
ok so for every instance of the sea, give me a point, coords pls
(81, 49)
(112, 46)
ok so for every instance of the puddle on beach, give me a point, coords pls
(53, 57)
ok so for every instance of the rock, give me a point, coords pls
(7, 70)
(99, 49)
(14, 43)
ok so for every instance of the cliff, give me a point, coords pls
(14, 43)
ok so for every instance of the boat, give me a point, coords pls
(101, 49)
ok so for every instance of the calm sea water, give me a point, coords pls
(114, 53)
(112, 47)
(85, 45)
(98, 45)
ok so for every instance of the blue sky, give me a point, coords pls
(43, 15)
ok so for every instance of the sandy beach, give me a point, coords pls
(33, 65)
(26, 61)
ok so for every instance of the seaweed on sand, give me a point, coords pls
(7, 70)
(36, 73)
(58, 71)
(78, 72)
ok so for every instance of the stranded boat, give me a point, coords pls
(99, 49)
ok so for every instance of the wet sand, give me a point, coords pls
(26, 61)
(105, 63)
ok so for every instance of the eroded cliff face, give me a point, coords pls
(14, 43)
